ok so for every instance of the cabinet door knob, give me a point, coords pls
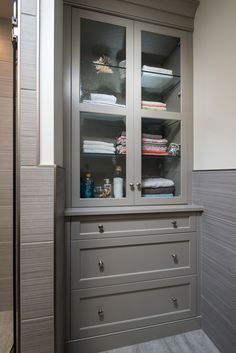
(131, 186)
(174, 257)
(101, 313)
(101, 228)
(101, 265)
(138, 186)
(174, 300)
(175, 224)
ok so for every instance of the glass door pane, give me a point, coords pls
(102, 156)
(161, 158)
(160, 72)
(102, 63)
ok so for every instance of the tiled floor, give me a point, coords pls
(6, 331)
(190, 342)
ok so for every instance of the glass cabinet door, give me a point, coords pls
(102, 110)
(159, 118)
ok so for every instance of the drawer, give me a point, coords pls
(136, 225)
(121, 260)
(117, 308)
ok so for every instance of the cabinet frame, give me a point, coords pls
(131, 111)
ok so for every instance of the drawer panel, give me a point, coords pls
(98, 311)
(132, 226)
(102, 262)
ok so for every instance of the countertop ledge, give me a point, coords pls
(103, 211)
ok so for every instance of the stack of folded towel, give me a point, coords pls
(158, 187)
(98, 98)
(153, 105)
(157, 70)
(156, 79)
(96, 146)
(154, 145)
(121, 144)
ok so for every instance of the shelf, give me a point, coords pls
(158, 82)
(102, 155)
(108, 155)
(93, 63)
(156, 156)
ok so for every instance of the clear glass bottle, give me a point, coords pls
(118, 181)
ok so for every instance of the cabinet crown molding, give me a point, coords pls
(179, 7)
(171, 13)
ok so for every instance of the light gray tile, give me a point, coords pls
(29, 7)
(29, 128)
(6, 330)
(6, 294)
(37, 260)
(37, 204)
(6, 80)
(220, 331)
(37, 298)
(6, 188)
(37, 335)
(37, 181)
(6, 138)
(190, 342)
(6, 216)
(6, 266)
(28, 42)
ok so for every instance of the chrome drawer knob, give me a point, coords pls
(101, 265)
(101, 228)
(175, 301)
(174, 257)
(139, 186)
(175, 224)
(101, 313)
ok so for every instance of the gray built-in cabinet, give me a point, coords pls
(131, 231)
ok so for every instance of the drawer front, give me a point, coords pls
(117, 308)
(111, 261)
(104, 227)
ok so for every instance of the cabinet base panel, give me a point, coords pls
(127, 338)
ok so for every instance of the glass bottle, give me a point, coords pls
(87, 187)
(118, 182)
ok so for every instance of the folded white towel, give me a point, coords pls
(153, 103)
(159, 70)
(87, 101)
(97, 143)
(157, 182)
(103, 97)
(96, 147)
(98, 150)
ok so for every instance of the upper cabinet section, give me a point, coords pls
(160, 72)
(103, 63)
(131, 112)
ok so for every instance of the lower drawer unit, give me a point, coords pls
(115, 308)
(123, 260)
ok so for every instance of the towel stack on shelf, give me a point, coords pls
(154, 145)
(102, 99)
(158, 187)
(157, 70)
(121, 144)
(96, 146)
(153, 105)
